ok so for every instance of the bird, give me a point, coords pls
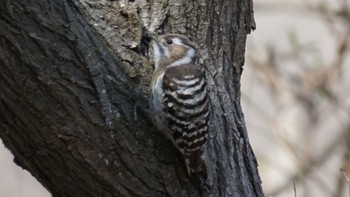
(179, 101)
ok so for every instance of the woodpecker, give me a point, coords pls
(179, 102)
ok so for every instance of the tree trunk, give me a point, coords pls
(72, 73)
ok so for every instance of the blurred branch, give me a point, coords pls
(346, 168)
(346, 175)
(315, 86)
(306, 169)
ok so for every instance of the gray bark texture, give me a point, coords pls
(73, 75)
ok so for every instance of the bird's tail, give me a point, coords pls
(194, 161)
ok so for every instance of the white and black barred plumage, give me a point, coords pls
(179, 98)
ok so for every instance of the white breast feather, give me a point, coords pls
(156, 55)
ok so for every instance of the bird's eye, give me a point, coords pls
(169, 41)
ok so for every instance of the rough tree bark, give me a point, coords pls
(72, 73)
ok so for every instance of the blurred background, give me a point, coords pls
(295, 97)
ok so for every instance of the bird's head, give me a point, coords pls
(172, 50)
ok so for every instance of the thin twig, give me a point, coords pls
(347, 179)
